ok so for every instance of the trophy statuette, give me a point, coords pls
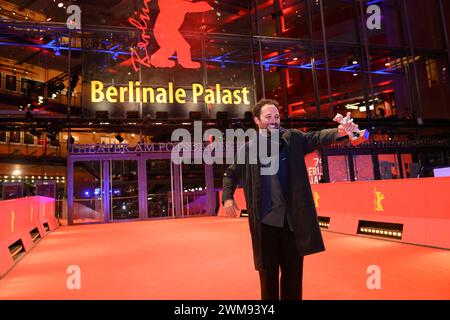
(356, 136)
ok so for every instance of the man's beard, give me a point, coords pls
(268, 132)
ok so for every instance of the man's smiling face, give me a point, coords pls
(269, 118)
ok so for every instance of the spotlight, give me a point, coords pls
(352, 61)
(53, 139)
(276, 14)
(29, 116)
(119, 138)
(197, 115)
(162, 115)
(222, 115)
(132, 114)
(380, 229)
(238, 125)
(101, 114)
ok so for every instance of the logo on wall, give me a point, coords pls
(13, 219)
(314, 166)
(166, 32)
(316, 199)
(378, 198)
(374, 20)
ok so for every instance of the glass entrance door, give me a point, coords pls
(159, 188)
(124, 190)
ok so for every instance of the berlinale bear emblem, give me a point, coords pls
(167, 34)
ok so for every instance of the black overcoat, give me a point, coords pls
(300, 202)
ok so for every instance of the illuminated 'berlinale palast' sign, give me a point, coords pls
(166, 33)
(134, 92)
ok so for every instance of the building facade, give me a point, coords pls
(79, 75)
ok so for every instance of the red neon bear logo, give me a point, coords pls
(167, 34)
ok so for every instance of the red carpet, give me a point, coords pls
(211, 258)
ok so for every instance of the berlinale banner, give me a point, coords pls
(167, 61)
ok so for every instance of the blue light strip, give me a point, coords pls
(51, 46)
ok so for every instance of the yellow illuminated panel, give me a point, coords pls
(134, 92)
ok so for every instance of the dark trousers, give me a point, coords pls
(280, 254)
